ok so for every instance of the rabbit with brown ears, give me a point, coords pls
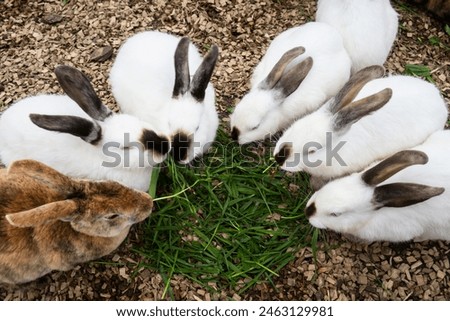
(49, 221)
(404, 197)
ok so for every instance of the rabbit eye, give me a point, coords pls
(254, 128)
(112, 216)
(335, 214)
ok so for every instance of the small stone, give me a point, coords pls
(52, 18)
(102, 54)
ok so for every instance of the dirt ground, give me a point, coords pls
(35, 36)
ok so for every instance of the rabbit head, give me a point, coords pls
(306, 142)
(121, 136)
(190, 117)
(255, 116)
(347, 204)
(94, 208)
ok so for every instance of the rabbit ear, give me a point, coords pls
(356, 110)
(78, 87)
(182, 77)
(392, 165)
(61, 210)
(277, 71)
(403, 194)
(290, 81)
(354, 85)
(87, 130)
(203, 74)
(37, 169)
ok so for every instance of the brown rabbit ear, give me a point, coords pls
(38, 170)
(277, 71)
(392, 165)
(290, 81)
(78, 87)
(61, 210)
(403, 194)
(356, 82)
(89, 131)
(182, 77)
(356, 110)
(203, 74)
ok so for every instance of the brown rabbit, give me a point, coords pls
(440, 8)
(49, 221)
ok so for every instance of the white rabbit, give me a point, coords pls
(150, 76)
(302, 68)
(391, 201)
(81, 137)
(368, 28)
(349, 132)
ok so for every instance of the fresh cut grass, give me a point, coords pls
(228, 221)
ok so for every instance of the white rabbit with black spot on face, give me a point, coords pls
(405, 197)
(79, 136)
(150, 79)
(368, 120)
(302, 68)
(368, 28)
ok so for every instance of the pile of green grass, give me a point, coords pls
(232, 219)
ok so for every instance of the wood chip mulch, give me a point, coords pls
(36, 36)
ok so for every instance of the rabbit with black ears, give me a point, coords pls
(404, 197)
(369, 119)
(302, 68)
(49, 221)
(79, 136)
(150, 79)
(368, 28)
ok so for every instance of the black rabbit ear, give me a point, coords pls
(356, 110)
(78, 87)
(277, 71)
(181, 60)
(392, 165)
(356, 82)
(292, 79)
(87, 130)
(203, 74)
(403, 194)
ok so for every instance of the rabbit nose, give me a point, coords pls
(180, 146)
(235, 134)
(283, 154)
(154, 142)
(310, 210)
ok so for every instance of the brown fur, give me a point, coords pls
(49, 221)
(441, 8)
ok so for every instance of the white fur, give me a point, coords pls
(351, 197)
(368, 28)
(331, 69)
(415, 111)
(142, 80)
(21, 139)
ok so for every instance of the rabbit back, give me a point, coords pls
(20, 139)
(415, 111)
(49, 221)
(356, 20)
(143, 75)
(331, 67)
